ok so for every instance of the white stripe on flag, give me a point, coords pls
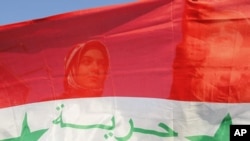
(119, 118)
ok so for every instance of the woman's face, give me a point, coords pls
(92, 69)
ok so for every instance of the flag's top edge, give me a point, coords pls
(73, 13)
(62, 15)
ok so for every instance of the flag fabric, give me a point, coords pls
(209, 59)
(151, 70)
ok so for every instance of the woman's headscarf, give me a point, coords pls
(72, 63)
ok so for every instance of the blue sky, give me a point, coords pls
(14, 11)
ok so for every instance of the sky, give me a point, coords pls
(14, 11)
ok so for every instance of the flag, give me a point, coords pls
(209, 59)
(150, 70)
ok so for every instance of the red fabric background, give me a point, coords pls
(212, 61)
(141, 39)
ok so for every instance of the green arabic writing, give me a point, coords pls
(222, 132)
(59, 120)
(168, 131)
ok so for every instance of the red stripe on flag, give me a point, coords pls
(212, 61)
(47, 55)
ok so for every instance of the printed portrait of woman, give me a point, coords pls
(86, 68)
(212, 63)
